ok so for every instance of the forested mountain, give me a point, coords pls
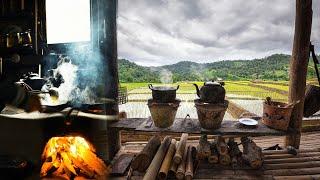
(274, 67)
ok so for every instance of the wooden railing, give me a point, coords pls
(123, 95)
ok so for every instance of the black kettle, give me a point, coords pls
(211, 92)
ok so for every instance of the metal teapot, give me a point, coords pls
(211, 92)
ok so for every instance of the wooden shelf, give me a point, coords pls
(19, 50)
(17, 18)
(228, 128)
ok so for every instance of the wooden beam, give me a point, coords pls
(298, 67)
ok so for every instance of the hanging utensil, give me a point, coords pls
(312, 96)
(26, 39)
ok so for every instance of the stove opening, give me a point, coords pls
(70, 157)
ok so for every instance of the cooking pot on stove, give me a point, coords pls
(211, 92)
(34, 81)
(163, 94)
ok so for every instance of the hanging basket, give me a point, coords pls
(312, 100)
(276, 115)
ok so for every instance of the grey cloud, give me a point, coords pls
(155, 32)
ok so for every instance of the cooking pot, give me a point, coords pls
(35, 82)
(163, 94)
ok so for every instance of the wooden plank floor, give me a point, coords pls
(277, 165)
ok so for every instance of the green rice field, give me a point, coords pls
(241, 88)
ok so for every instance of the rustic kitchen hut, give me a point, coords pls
(104, 131)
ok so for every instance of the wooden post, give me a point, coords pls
(298, 68)
(104, 42)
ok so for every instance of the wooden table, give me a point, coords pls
(192, 126)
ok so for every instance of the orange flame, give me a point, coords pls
(67, 157)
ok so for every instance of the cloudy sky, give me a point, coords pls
(158, 32)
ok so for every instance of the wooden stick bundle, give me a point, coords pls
(252, 153)
(214, 156)
(182, 166)
(234, 152)
(154, 167)
(144, 158)
(167, 161)
(181, 148)
(222, 147)
(203, 148)
(224, 159)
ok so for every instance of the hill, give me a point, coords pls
(274, 67)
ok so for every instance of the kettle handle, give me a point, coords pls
(150, 86)
(178, 87)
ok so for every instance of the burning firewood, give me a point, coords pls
(70, 157)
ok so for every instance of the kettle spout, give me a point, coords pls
(197, 88)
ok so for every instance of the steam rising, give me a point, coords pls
(166, 76)
(68, 71)
(81, 71)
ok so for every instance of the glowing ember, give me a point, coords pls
(69, 157)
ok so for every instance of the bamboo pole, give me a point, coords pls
(182, 166)
(154, 167)
(190, 161)
(142, 161)
(298, 68)
(181, 148)
(167, 161)
(173, 167)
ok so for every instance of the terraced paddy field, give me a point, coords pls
(246, 94)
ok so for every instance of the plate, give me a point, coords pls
(248, 121)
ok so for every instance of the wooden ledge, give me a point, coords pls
(180, 125)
